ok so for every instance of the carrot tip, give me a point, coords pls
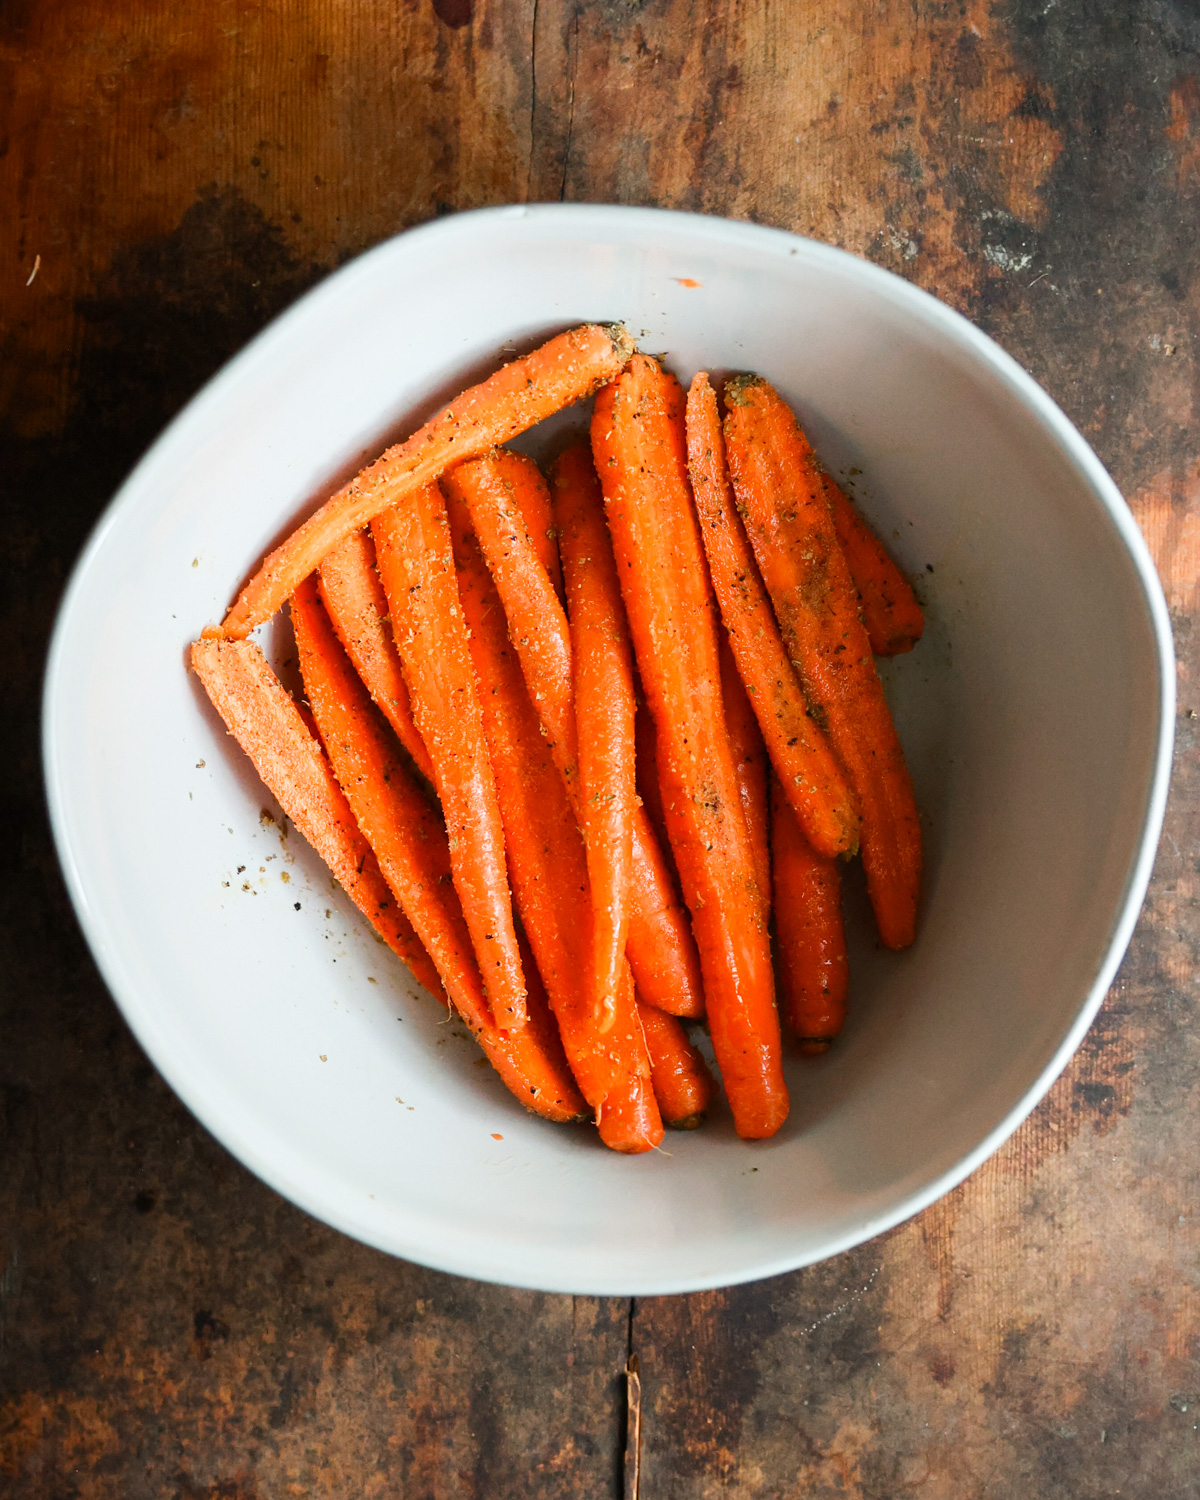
(689, 1122)
(813, 1046)
(213, 633)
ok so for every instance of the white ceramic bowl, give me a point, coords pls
(1037, 714)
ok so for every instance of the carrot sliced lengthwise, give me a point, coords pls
(751, 767)
(780, 490)
(814, 975)
(416, 566)
(604, 709)
(410, 844)
(560, 372)
(261, 716)
(639, 445)
(895, 621)
(548, 869)
(803, 759)
(354, 597)
(683, 1084)
(659, 946)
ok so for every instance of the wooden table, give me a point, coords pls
(170, 177)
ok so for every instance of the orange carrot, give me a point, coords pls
(559, 373)
(808, 926)
(269, 727)
(416, 565)
(353, 595)
(683, 1084)
(604, 709)
(410, 844)
(799, 751)
(750, 767)
(659, 946)
(640, 448)
(894, 620)
(646, 742)
(530, 498)
(779, 489)
(548, 868)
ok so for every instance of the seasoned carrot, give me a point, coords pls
(779, 489)
(353, 595)
(683, 1084)
(416, 565)
(604, 709)
(799, 751)
(640, 449)
(646, 743)
(269, 727)
(659, 946)
(548, 868)
(750, 766)
(410, 843)
(530, 499)
(895, 621)
(809, 930)
(560, 372)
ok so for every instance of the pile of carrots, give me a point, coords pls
(573, 747)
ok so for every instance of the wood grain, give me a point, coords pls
(168, 1327)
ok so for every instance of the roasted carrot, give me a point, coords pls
(750, 766)
(640, 448)
(416, 566)
(269, 727)
(779, 489)
(646, 742)
(799, 751)
(548, 868)
(354, 597)
(560, 372)
(659, 946)
(530, 499)
(683, 1084)
(604, 709)
(895, 621)
(808, 927)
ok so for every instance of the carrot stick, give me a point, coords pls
(530, 499)
(894, 620)
(604, 709)
(269, 727)
(646, 742)
(750, 766)
(659, 946)
(683, 1084)
(779, 489)
(799, 751)
(808, 926)
(416, 565)
(353, 595)
(410, 844)
(548, 868)
(559, 373)
(640, 448)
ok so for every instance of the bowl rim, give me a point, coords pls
(630, 223)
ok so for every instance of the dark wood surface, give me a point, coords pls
(176, 175)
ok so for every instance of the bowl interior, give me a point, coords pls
(1032, 714)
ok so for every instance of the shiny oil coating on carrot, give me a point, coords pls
(814, 974)
(639, 445)
(353, 596)
(604, 708)
(658, 944)
(261, 716)
(409, 841)
(780, 490)
(547, 865)
(799, 750)
(416, 566)
(895, 621)
(562, 371)
(683, 1084)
